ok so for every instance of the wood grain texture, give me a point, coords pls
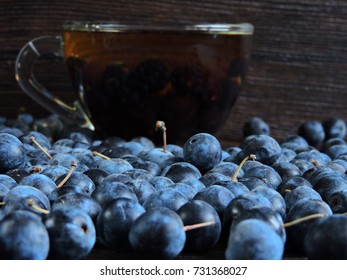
(297, 72)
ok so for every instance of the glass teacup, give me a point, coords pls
(127, 77)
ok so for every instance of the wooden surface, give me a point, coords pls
(299, 58)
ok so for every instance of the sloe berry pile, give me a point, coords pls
(65, 193)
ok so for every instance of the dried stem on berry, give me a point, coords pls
(200, 225)
(100, 155)
(32, 139)
(236, 173)
(36, 207)
(304, 219)
(2, 203)
(160, 125)
(68, 175)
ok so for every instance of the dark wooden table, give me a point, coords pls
(297, 72)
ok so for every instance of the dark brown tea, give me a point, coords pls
(126, 81)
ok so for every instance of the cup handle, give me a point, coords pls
(43, 47)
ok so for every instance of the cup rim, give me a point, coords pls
(210, 28)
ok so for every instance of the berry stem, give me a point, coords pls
(205, 224)
(32, 139)
(304, 219)
(36, 207)
(2, 203)
(100, 155)
(34, 169)
(236, 173)
(68, 175)
(160, 125)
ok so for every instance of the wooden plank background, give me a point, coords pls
(297, 72)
